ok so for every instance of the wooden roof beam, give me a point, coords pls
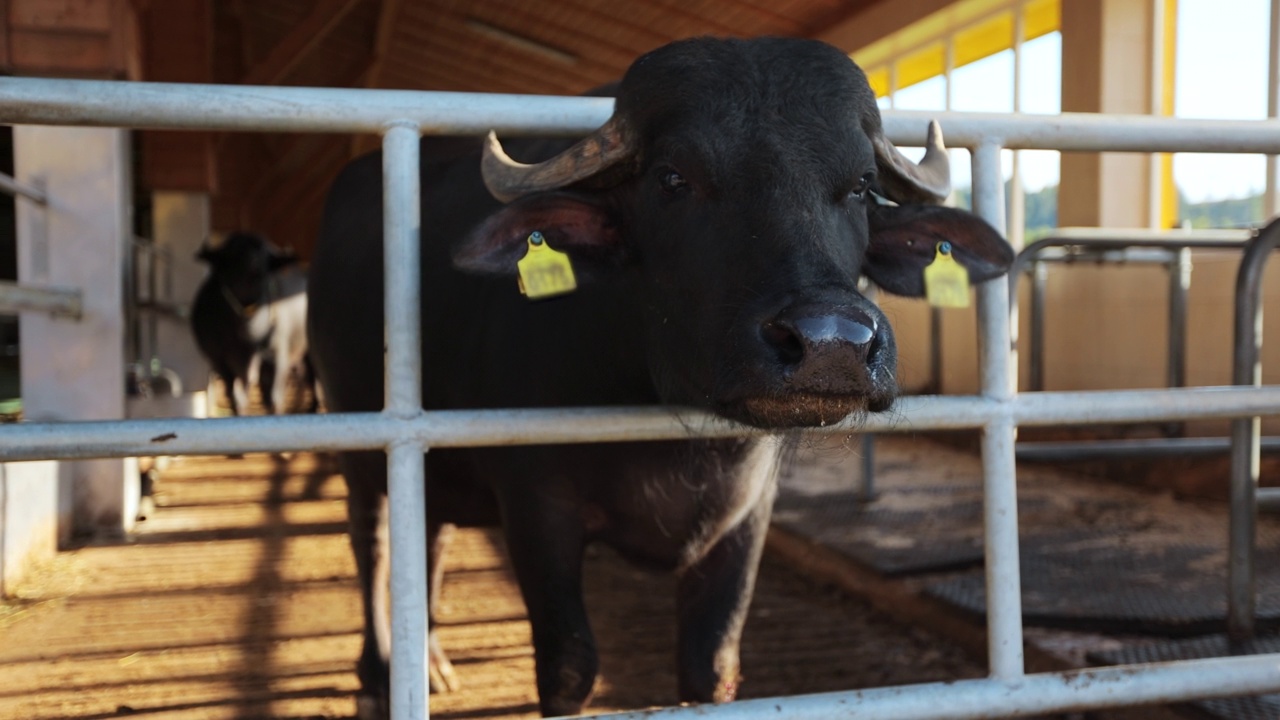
(387, 16)
(294, 47)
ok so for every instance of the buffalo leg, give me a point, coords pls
(237, 394)
(366, 475)
(308, 382)
(271, 385)
(546, 540)
(713, 596)
(440, 671)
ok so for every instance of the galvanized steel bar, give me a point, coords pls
(1029, 695)
(182, 106)
(59, 302)
(402, 220)
(1039, 279)
(1175, 247)
(1245, 434)
(1172, 241)
(484, 428)
(1087, 132)
(1179, 285)
(1268, 498)
(1074, 450)
(1179, 269)
(405, 432)
(12, 186)
(408, 522)
(1000, 495)
(406, 487)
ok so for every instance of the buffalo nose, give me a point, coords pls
(821, 344)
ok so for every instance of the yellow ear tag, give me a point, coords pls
(946, 282)
(544, 272)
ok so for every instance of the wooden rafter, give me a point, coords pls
(387, 16)
(294, 47)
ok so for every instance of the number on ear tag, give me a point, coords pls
(946, 282)
(544, 272)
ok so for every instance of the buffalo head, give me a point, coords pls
(242, 264)
(735, 188)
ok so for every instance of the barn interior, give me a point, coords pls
(1124, 526)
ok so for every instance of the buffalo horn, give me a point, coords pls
(928, 182)
(508, 179)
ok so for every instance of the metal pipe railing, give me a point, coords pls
(1170, 248)
(1245, 434)
(189, 106)
(11, 186)
(402, 222)
(1028, 695)
(58, 302)
(404, 431)
(484, 428)
(999, 470)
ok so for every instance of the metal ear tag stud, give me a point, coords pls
(544, 272)
(946, 282)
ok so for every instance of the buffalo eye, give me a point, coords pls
(860, 188)
(671, 181)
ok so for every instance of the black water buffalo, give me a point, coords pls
(718, 225)
(249, 319)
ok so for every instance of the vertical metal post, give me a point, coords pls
(1000, 504)
(405, 465)
(1246, 435)
(1179, 283)
(1039, 278)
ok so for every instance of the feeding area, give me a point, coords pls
(383, 358)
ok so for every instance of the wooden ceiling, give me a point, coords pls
(276, 183)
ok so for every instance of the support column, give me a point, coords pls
(1109, 66)
(1107, 53)
(75, 369)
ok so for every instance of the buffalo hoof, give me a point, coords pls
(440, 671)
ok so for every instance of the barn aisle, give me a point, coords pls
(237, 599)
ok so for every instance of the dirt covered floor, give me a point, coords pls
(236, 599)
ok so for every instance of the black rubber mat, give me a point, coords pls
(1106, 581)
(1262, 707)
(944, 535)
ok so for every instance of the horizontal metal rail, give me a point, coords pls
(484, 428)
(1246, 433)
(1082, 690)
(185, 106)
(1071, 450)
(11, 186)
(1267, 498)
(59, 302)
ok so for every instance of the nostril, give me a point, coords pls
(835, 329)
(783, 339)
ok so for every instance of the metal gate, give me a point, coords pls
(405, 431)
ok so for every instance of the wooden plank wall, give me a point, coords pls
(79, 38)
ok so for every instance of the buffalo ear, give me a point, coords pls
(571, 223)
(904, 241)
